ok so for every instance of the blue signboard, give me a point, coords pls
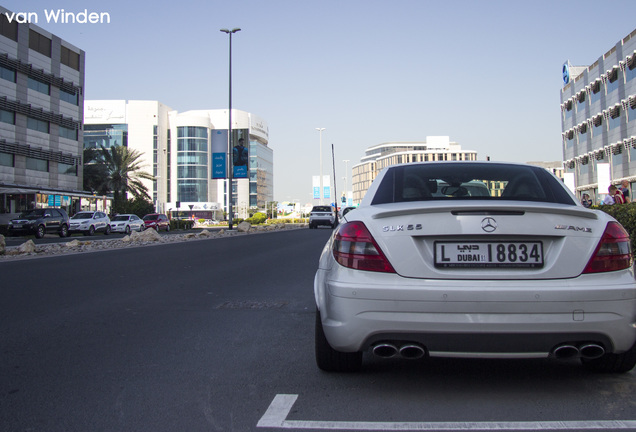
(219, 154)
(218, 165)
(55, 200)
(316, 192)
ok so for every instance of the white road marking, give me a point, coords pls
(276, 415)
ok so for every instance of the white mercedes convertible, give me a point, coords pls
(475, 259)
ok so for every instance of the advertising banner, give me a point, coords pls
(316, 186)
(326, 185)
(218, 148)
(241, 159)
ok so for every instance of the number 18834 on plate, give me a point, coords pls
(515, 254)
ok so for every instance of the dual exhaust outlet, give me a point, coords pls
(415, 351)
(408, 351)
(586, 351)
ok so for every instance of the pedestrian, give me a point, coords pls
(613, 197)
(625, 190)
(586, 201)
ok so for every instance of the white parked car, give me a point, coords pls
(125, 223)
(524, 271)
(89, 222)
(322, 215)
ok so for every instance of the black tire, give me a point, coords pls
(91, 230)
(167, 228)
(64, 231)
(612, 363)
(40, 231)
(107, 230)
(127, 230)
(330, 360)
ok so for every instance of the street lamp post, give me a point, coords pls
(321, 190)
(346, 161)
(229, 134)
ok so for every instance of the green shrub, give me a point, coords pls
(625, 214)
(185, 224)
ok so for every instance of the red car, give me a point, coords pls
(157, 221)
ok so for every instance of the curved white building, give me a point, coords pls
(179, 150)
(435, 148)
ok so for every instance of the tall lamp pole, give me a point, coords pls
(346, 188)
(321, 190)
(229, 135)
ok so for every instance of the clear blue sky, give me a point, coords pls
(485, 73)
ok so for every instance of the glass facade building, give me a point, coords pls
(183, 150)
(598, 118)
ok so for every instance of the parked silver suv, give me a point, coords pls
(89, 222)
(322, 215)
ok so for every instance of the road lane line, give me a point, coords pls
(276, 417)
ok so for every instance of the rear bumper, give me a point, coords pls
(476, 318)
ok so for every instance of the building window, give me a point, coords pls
(612, 80)
(8, 29)
(614, 118)
(67, 169)
(68, 133)
(70, 58)
(580, 99)
(37, 125)
(39, 43)
(7, 159)
(7, 116)
(72, 98)
(37, 164)
(596, 92)
(632, 109)
(7, 73)
(39, 86)
(630, 70)
(568, 109)
(597, 123)
(192, 164)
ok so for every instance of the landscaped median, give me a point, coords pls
(135, 239)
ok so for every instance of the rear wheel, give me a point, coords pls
(64, 231)
(107, 231)
(330, 360)
(612, 363)
(40, 231)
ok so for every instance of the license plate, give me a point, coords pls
(515, 254)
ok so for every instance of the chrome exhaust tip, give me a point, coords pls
(412, 351)
(565, 351)
(591, 351)
(385, 350)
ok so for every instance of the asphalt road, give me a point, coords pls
(217, 335)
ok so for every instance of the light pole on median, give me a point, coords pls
(229, 135)
(321, 190)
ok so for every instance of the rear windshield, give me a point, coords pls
(470, 181)
(322, 209)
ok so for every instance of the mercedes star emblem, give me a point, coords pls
(488, 224)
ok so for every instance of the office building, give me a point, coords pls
(178, 149)
(41, 114)
(598, 107)
(435, 148)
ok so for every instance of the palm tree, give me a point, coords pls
(95, 172)
(124, 173)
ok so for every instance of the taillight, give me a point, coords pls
(354, 247)
(614, 251)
